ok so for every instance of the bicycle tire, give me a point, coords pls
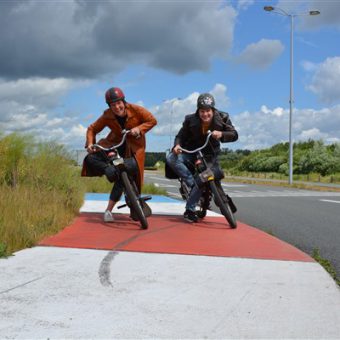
(224, 207)
(133, 198)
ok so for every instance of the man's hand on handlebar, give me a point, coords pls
(216, 134)
(90, 148)
(177, 149)
(135, 132)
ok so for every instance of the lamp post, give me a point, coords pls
(291, 92)
(171, 114)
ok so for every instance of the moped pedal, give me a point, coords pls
(122, 206)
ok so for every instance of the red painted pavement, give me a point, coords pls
(170, 234)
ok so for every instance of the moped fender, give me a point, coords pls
(206, 175)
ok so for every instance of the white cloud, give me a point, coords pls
(313, 133)
(309, 66)
(32, 93)
(28, 105)
(326, 80)
(259, 129)
(261, 54)
(97, 36)
(267, 127)
(244, 4)
(170, 114)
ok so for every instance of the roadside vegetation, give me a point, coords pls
(41, 191)
(313, 162)
(326, 264)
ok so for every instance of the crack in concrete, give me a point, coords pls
(23, 284)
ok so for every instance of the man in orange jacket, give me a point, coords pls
(119, 116)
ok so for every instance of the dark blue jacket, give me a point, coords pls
(190, 136)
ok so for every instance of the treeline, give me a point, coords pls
(312, 156)
(309, 157)
(151, 158)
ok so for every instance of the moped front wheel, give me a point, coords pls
(223, 206)
(134, 200)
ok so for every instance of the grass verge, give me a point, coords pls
(326, 264)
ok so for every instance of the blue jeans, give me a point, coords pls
(177, 164)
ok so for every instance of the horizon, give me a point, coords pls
(163, 54)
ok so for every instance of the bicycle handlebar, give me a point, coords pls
(200, 148)
(124, 132)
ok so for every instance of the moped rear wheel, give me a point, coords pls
(223, 206)
(134, 200)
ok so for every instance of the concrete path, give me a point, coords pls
(175, 280)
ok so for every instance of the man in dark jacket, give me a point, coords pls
(192, 135)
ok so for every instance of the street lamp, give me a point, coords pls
(291, 96)
(171, 114)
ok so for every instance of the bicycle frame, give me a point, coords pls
(132, 196)
(207, 178)
(205, 172)
(115, 147)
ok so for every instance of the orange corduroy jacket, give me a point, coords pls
(137, 116)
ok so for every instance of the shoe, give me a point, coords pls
(190, 216)
(108, 217)
(201, 213)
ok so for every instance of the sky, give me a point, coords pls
(57, 59)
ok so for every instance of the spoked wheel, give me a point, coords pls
(134, 200)
(184, 190)
(223, 206)
(204, 203)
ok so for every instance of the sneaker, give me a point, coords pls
(108, 217)
(190, 216)
(201, 213)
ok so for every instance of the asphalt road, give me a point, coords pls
(306, 219)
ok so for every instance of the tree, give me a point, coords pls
(319, 160)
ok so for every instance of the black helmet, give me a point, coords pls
(113, 95)
(205, 101)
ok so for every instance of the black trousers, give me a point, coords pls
(96, 165)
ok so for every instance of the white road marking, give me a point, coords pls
(230, 185)
(159, 178)
(252, 193)
(330, 201)
(175, 195)
(282, 194)
(166, 185)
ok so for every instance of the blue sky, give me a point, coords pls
(57, 59)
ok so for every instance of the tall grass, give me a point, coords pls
(28, 214)
(40, 191)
